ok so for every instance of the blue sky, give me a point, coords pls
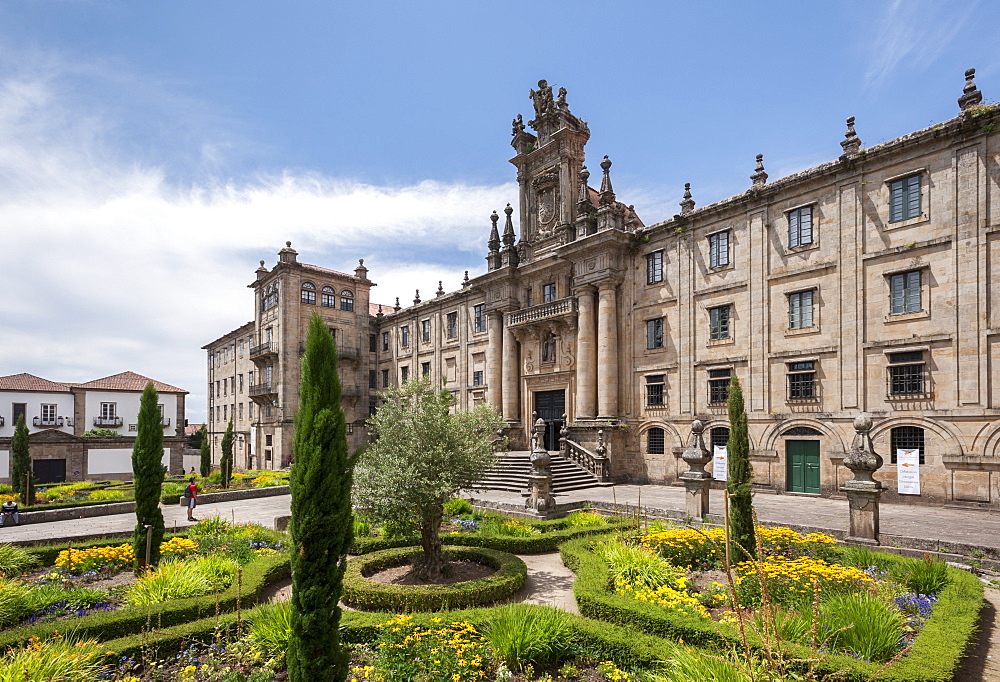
(152, 153)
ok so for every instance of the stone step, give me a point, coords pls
(513, 469)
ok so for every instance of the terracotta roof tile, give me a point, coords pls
(29, 382)
(129, 381)
(322, 269)
(375, 308)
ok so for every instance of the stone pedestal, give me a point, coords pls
(696, 480)
(863, 491)
(540, 500)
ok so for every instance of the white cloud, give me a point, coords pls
(110, 266)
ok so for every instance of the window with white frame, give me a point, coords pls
(654, 267)
(477, 377)
(309, 293)
(346, 300)
(718, 249)
(49, 413)
(800, 226)
(109, 410)
(800, 309)
(904, 198)
(904, 292)
(718, 323)
(328, 297)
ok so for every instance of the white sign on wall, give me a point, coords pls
(720, 463)
(908, 471)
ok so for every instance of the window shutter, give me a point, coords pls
(807, 309)
(896, 201)
(912, 196)
(913, 291)
(724, 248)
(793, 229)
(897, 306)
(806, 226)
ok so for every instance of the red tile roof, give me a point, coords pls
(322, 269)
(29, 382)
(129, 381)
(374, 309)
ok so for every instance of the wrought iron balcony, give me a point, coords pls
(261, 389)
(545, 311)
(108, 422)
(266, 348)
(56, 421)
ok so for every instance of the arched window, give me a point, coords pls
(309, 293)
(329, 297)
(346, 300)
(907, 438)
(655, 441)
(718, 436)
(270, 297)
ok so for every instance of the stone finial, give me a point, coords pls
(465, 280)
(380, 313)
(696, 454)
(687, 205)
(601, 450)
(584, 193)
(851, 142)
(607, 191)
(970, 94)
(862, 458)
(397, 307)
(508, 228)
(287, 254)
(416, 297)
(361, 272)
(759, 177)
(262, 268)
(494, 241)
(440, 291)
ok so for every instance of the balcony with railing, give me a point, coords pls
(536, 313)
(41, 422)
(108, 422)
(259, 390)
(263, 350)
(343, 352)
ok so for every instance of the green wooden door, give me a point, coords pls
(803, 466)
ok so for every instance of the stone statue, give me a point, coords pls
(517, 126)
(561, 102)
(542, 98)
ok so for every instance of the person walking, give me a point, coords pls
(9, 510)
(191, 497)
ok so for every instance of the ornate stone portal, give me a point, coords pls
(540, 480)
(863, 491)
(696, 479)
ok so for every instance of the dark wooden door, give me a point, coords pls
(550, 406)
(803, 466)
(49, 470)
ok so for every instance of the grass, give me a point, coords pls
(61, 660)
(14, 601)
(583, 519)
(15, 560)
(183, 579)
(270, 630)
(862, 557)
(523, 636)
(507, 526)
(456, 507)
(636, 565)
(864, 625)
(923, 576)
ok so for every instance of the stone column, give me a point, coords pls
(696, 479)
(510, 387)
(607, 352)
(494, 364)
(586, 355)
(863, 492)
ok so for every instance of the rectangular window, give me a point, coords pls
(906, 438)
(452, 321)
(904, 198)
(477, 377)
(241, 411)
(800, 227)
(654, 267)
(372, 407)
(404, 336)
(249, 410)
(801, 380)
(479, 317)
(907, 374)
(385, 378)
(528, 299)
(385, 340)
(654, 390)
(425, 330)
(904, 291)
(654, 333)
(718, 323)
(549, 293)
(718, 385)
(225, 413)
(309, 296)
(372, 378)
(328, 299)
(656, 442)
(109, 410)
(48, 414)
(250, 378)
(800, 310)
(718, 249)
(404, 373)
(371, 343)
(268, 440)
(425, 369)
(241, 383)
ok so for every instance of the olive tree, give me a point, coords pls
(424, 453)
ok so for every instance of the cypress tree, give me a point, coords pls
(205, 466)
(148, 472)
(22, 478)
(322, 525)
(742, 544)
(226, 462)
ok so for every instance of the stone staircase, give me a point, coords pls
(512, 471)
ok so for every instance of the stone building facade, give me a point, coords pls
(866, 284)
(230, 375)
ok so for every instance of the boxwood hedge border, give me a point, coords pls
(935, 657)
(360, 592)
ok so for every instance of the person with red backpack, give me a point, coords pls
(191, 498)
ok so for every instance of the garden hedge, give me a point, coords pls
(935, 656)
(362, 593)
(257, 576)
(547, 541)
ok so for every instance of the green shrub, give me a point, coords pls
(456, 507)
(14, 601)
(585, 519)
(507, 526)
(15, 560)
(864, 625)
(43, 596)
(864, 558)
(170, 493)
(182, 579)
(362, 529)
(521, 635)
(106, 496)
(63, 660)
(635, 565)
(215, 478)
(270, 629)
(268, 482)
(923, 576)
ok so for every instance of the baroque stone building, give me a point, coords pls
(866, 284)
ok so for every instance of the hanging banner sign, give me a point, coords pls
(720, 463)
(908, 471)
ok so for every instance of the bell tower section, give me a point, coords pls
(549, 172)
